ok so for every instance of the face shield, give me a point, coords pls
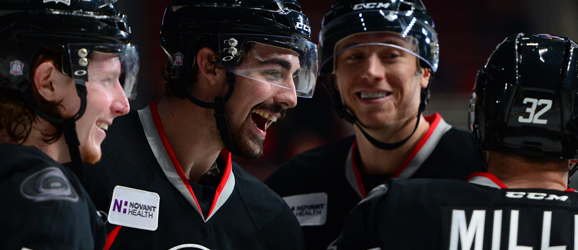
(395, 29)
(286, 62)
(105, 66)
(472, 111)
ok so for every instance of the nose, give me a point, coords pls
(286, 97)
(374, 70)
(120, 105)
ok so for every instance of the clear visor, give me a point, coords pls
(393, 46)
(472, 111)
(396, 29)
(109, 67)
(286, 62)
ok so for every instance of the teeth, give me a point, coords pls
(269, 123)
(372, 95)
(271, 118)
(102, 125)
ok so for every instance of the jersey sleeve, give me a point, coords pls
(47, 210)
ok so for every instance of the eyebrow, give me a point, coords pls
(281, 62)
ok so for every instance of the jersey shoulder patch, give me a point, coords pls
(310, 209)
(48, 184)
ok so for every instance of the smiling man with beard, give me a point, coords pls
(233, 69)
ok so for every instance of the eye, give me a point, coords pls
(272, 74)
(355, 56)
(393, 55)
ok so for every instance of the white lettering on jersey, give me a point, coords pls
(310, 209)
(513, 241)
(546, 226)
(497, 230)
(461, 230)
(536, 196)
(189, 246)
(464, 234)
(369, 6)
(575, 231)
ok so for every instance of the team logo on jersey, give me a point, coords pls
(48, 184)
(134, 208)
(310, 209)
(16, 68)
(189, 247)
(67, 2)
(179, 58)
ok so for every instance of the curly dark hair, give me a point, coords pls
(17, 116)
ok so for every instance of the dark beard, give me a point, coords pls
(246, 145)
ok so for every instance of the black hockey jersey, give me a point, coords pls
(452, 214)
(43, 205)
(323, 185)
(235, 211)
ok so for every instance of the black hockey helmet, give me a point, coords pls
(76, 29)
(230, 28)
(525, 98)
(406, 19)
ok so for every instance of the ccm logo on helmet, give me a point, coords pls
(302, 26)
(368, 6)
(536, 196)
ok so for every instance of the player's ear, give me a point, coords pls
(425, 76)
(209, 65)
(44, 82)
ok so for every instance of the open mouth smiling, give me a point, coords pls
(372, 95)
(263, 119)
(102, 125)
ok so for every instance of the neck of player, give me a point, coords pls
(373, 160)
(189, 131)
(515, 172)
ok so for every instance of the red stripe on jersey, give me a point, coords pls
(176, 164)
(570, 190)
(111, 237)
(356, 170)
(433, 120)
(224, 153)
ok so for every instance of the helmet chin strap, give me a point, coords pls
(387, 146)
(70, 134)
(219, 107)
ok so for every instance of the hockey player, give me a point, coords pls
(233, 68)
(524, 114)
(63, 66)
(378, 60)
